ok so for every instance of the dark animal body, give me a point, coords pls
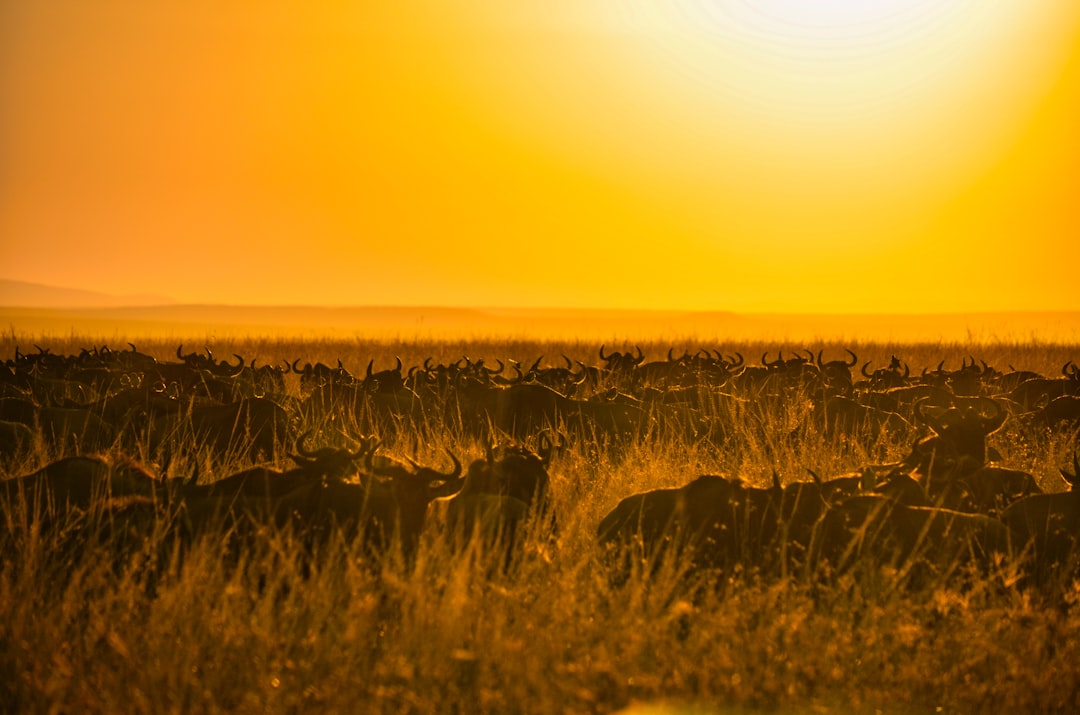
(501, 494)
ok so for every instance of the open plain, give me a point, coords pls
(145, 603)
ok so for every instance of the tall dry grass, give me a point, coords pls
(272, 631)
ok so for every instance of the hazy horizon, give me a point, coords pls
(31, 295)
(449, 323)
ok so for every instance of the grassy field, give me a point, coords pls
(272, 632)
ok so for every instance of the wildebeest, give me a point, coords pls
(895, 375)
(312, 465)
(622, 365)
(916, 540)
(387, 505)
(77, 483)
(1046, 529)
(957, 446)
(520, 409)
(838, 415)
(501, 492)
(713, 522)
(719, 523)
(64, 427)
(251, 427)
(1061, 411)
(836, 374)
(991, 489)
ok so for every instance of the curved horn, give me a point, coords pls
(370, 364)
(740, 363)
(854, 358)
(367, 445)
(456, 471)
(369, 458)
(372, 446)
(544, 448)
(608, 357)
(293, 366)
(993, 422)
(933, 423)
(864, 371)
(235, 369)
(640, 355)
(517, 368)
(1075, 472)
(301, 447)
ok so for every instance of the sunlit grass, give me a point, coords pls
(268, 629)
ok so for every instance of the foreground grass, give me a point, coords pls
(551, 637)
(81, 631)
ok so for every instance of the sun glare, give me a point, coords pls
(839, 110)
(833, 18)
(827, 66)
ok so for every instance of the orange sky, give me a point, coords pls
(898, 156)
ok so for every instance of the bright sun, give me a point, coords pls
(841, 111)
(823, 82)
(807, 54)
(835, 17)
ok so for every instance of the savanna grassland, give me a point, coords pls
(272, 630)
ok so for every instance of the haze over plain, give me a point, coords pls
(743, 155)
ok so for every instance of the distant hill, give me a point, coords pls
(35, 309)
(20, 294)
(611, 326)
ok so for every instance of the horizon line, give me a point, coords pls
(550, 309)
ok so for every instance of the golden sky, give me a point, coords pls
(748, 155)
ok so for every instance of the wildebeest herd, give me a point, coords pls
(948, 506)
